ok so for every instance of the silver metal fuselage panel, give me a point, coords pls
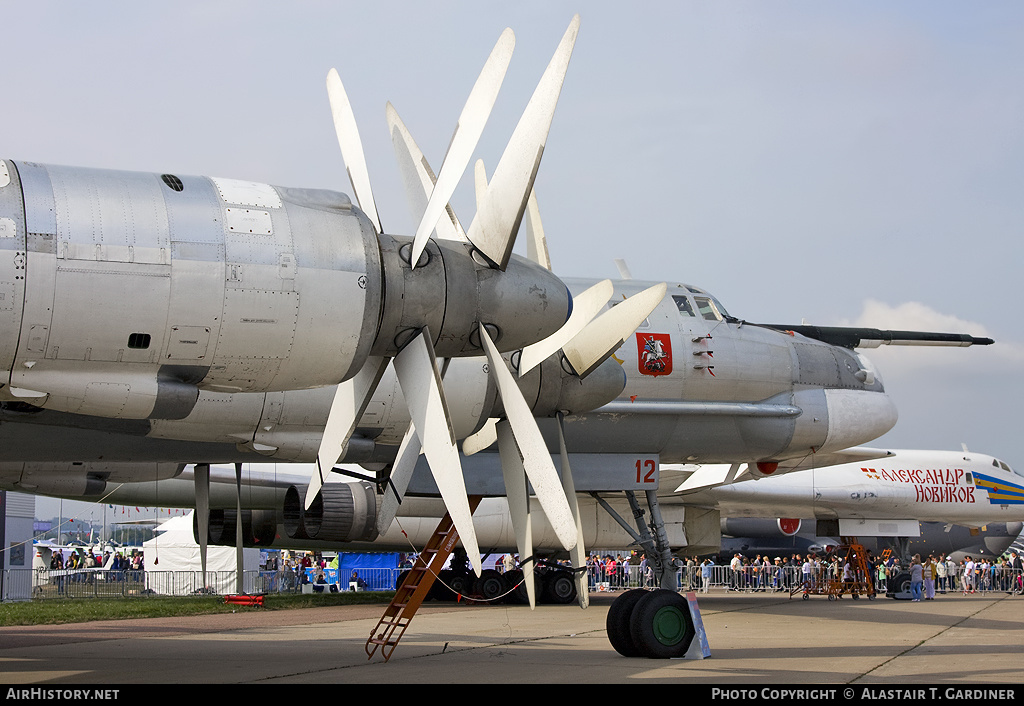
(126, 293)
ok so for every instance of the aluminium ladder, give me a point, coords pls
(414, 589)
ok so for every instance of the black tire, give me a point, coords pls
(490, 585)
(559, 588)
(617, 622)
(661, 625)
(518, 594)
(462, 583)
(899, 584)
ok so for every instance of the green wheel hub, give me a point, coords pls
(669, 625)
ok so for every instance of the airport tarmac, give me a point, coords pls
(754, 639)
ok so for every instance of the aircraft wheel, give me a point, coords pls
(661, 625)
(900, 584)
(518, 595)
(490, 585)
(617, 622)
(559, 588)
(462, 583)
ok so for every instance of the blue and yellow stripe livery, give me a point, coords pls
(1000, 492)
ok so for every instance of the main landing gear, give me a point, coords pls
(641, 622)
(655, 624)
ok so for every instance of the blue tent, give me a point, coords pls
(376, 571)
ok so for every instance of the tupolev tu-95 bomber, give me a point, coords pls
(154, 321)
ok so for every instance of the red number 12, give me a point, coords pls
(649, 465)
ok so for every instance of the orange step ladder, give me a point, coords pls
(413, 591)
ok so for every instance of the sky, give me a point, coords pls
(839, 163)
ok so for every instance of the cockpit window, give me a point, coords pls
(1005, 467)
(683, 304)
(721, 309)
(707, 309)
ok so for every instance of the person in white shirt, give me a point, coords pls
(968, 576)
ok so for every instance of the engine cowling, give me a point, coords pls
(127, 293)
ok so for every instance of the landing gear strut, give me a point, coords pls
(642, 623)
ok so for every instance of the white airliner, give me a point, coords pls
(884, 497)
(872, 497)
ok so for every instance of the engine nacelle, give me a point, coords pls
(124, 294)
(259, 528)
(550, 388)
(341, 512)
(85, 480)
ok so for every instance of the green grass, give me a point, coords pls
(53, 611)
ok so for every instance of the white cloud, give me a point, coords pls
(913, 316)
(1001, 357)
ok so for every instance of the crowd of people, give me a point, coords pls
(87, 558)
(928, 576)
(120, 566)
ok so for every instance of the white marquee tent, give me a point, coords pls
(175, 549)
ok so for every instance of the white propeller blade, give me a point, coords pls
(584, 308)
(482, 439)
(467, 133)
(591, 346)
(350, 400)
(401, 474)
(577, 555)
(536, 243)
(536, 459)
(518, 503)
(497, 221)
(479, 182)
(416, 367)
(351, 146)
(417, 177)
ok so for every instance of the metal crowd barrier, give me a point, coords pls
(784, 578)
(23, 584)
